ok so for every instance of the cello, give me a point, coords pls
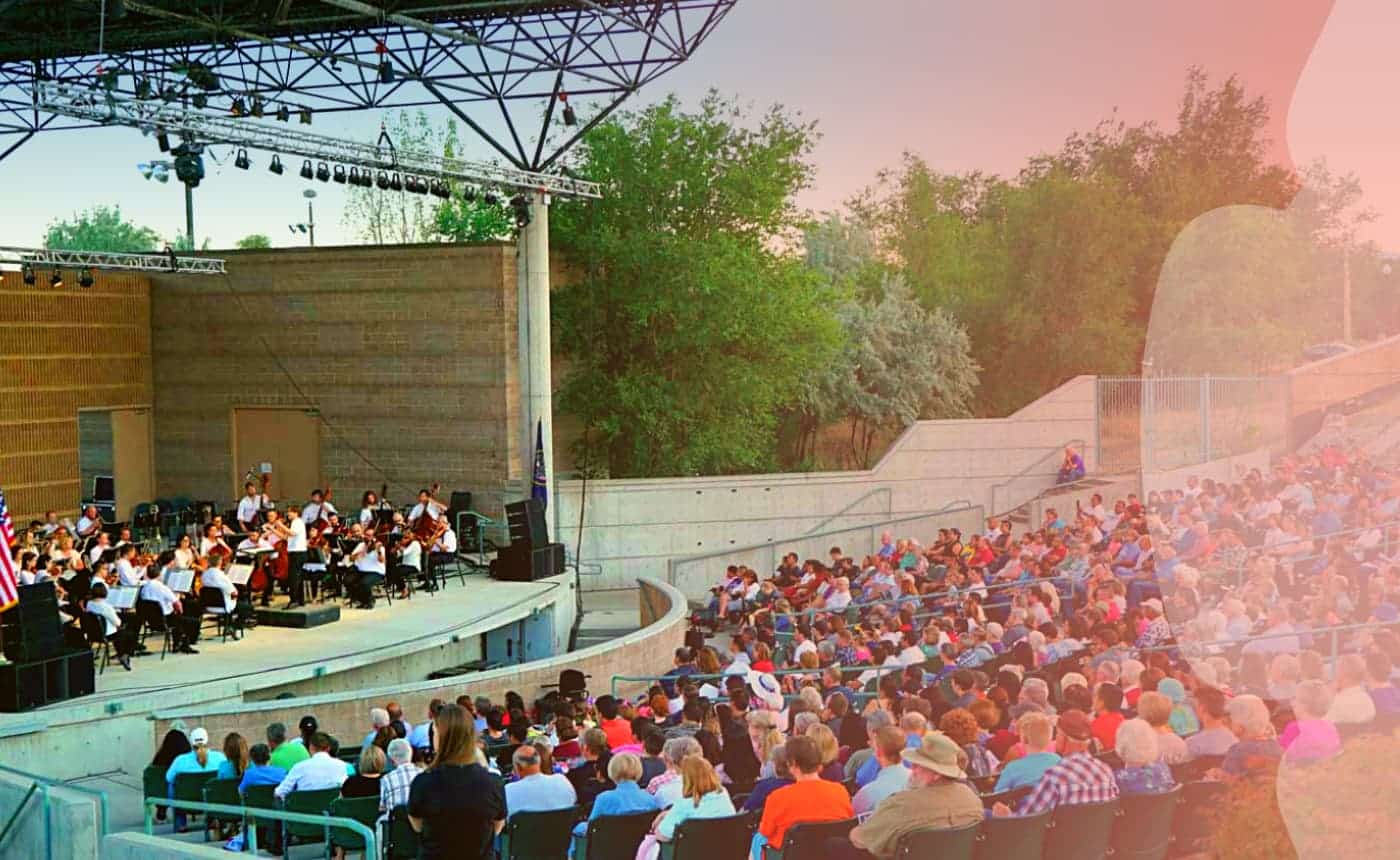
(319, 529)
(427, 528)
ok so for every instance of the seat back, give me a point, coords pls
(541, 835)
(945, 843)
(1143, 830)
(807, 841)
(190, 786)
(714, 838)
(611, 836)
(260, 797)
(363, 809)
(308, 803)
(223, 791)
(153, 782)
(1080, 831)
(211, 598)
(1018, 837)
(149, 614)
(94, 631)
(1192, 825)
(400, 839)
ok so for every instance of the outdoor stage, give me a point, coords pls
(472, 619)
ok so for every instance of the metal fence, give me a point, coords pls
(1161, 423)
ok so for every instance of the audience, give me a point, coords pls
(809, 799)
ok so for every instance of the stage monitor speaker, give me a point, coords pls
(31, 629)
(526, 522)
(521, 563)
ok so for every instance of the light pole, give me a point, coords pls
(309, 226)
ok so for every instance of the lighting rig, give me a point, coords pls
(30, 260)
(362, 164)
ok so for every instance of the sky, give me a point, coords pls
(965, 86)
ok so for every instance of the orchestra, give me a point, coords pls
(305, 551)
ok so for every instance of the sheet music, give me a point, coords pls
(238, 574)
(180, 581)
(123, 597)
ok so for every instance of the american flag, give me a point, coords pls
(9, 582)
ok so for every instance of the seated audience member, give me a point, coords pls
(1352, 706)
(235, 757)
(1143, 771)
(318, 771)
(617, 729)
(1079, 777)
(378, 720)
(369, 772)
(394, 785)
(1156, 710)
(420, 736)
(590, 778)
(959, 726)
(1257, 749)
(937, 798)
(667, 787)
(456, 805)
(199, 759)
(871, 724)
(624, 770)
(809, 798)
(1108, 715)
(1311, 736)
(830, 752)
(701, 797)
(261, 771)
(778, 760)
(285, 754)
(1384, 694)
(1038, 756)
(1183, 720)
(532, 790)
(653, 762)
(892, 777)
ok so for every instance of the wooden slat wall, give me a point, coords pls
(60, 351)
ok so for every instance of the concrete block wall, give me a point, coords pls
(633, 527)
(406, 351)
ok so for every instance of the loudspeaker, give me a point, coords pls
(31, 629)
(526, 522)
(521, 563)
(32, 684)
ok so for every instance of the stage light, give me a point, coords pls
(284, 114)
(162, 140)
(85, 278)
(56, 279)
(276, 165)
(469, 193)
(304, 114)
(160, 172)
(146, 169)
(354, 177)
(238, 108)
(521, 206)
(382, 180)
(143, 88)
(199, 100)
(257, 106)
(26, 272)
(570, 118)
(386, 71)
(110, 79)
(306, 171)
(340, 174)
(396, 182)
(189, 163)
(440, 189)
(241, 161)
(323, 172)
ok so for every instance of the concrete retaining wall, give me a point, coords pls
(71, 829)
(139, 846)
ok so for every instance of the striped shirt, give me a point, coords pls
(1078, 778)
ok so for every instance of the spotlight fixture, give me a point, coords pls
(469, 193)
(26, 272)
(386, 71)
(440, 189)
(189, 163)
(354, 177)
(241, 162)
(323, 171)
(306, 171)
(304, 115)
(570, 118)
(56, 279)
(143, 88)
(284, 113)
(85, 278)
(340, 174)
(521, 206)
(276, 165)
(162, 140)
(200, 100)
(382, 180)
(257, 106)
(238, 108)
(396, 182)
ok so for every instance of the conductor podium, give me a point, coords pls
(44, 669)
(530, 555)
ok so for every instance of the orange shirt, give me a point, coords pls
(619, 732)
(814, 800)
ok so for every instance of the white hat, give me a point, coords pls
(766, 690)
(1153, 604)
(199, 736)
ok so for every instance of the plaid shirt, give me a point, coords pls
(393, 786)
(1078, 778)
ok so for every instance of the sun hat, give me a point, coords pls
(766, 690)
(938, 753)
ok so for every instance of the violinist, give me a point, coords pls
(410, 563)
(123, 538)
(368, 558)
(103, 543)
(250, 507)
(129, 573)
(369, 506)
(29, 569)
(239, 607)
(181, 616)
(296, 552)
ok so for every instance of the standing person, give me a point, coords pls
(456, 805)
(198, 760)
(296, 555)
(250, 508)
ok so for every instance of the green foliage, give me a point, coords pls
(100, 228)
(458, 219)
(687, 334)
(184, 244)
(254, 241)
(398, 217)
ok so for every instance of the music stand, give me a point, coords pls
(239, 574)
(123, 597)
(180, 581)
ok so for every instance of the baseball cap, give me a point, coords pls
(199, 736)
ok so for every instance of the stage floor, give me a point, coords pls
(273, 656)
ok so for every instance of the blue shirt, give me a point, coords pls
(716, 804)
(1026, 770)
(188, 763)
(226, 770)
(762, 789)
(626, 799)
(261, 774)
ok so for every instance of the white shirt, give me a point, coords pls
(129, 575)
(248, 508)
(318, 772)
(205, 544)
(184, 559)
(28, 577)
(84, 524)
(838, 600)
(366, 516)
(912, 656)
(297, 542)
(412, 556)
(807, 646)
(370, 562)
(1352, 706)
(158, 591)
(540, 793)
(96, 552)
(50, 528)
(215, 578)
(446, 543)
(102, 609)
(312, 512)
(432, 509)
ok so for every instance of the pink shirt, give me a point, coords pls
(1310, 740)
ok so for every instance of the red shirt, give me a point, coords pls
(619, 732)
(1105, 728)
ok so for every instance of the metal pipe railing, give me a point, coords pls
(43, 783)
(328, 821)
(880, 671)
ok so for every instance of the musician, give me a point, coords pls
(444, 549)
(369, 506)
(129, 574)
(122, 638)
(368, 558)
(410, 563)
(50, 524)
(296, 552)
(251, 506)
(275, 532)
(124, 538)
(220, 529)
(317, 508)
(427, 506)
(184, 553)
(29, 569)
(102, 574)
(90, 523)
(241, 608)
(101, 545)
(184, 627)
(64, 554)
(213, 540)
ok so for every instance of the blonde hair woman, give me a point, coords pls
(702, 796)
(832, 770)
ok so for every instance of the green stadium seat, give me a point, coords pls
(946, 843)
(1016, 837)
(1081, 831)
(1143, 830)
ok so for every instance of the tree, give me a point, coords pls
(687, 334)
(459, 219)
(100, 228)
(184, 244)
(254, 241)
(383, 217)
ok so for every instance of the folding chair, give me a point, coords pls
(1016, 837)
(613, 836)
(400, 839)
(1081, 831)
(212, 599)
(152, 620)
(95, 632)
(712, 838)
(1143, 830)
(540, 835)
(364, 810)
(310, 803)
(224, 791)
(945, 843)
(807, 841)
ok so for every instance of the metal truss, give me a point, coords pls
(506, 68)
(112, 262)
(106, 108)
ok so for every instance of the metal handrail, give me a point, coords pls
(889, 504)
(327, 820)
(1079, 444)
(938, 595)
(880, 671)
(1334, 632)
(43, 784)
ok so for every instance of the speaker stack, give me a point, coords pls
(530, 555)
(43, 669)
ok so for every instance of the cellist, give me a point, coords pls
(275, 534)
(318, 511)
